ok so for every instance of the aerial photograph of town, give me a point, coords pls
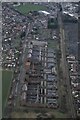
(40, 60)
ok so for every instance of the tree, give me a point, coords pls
(22, 35)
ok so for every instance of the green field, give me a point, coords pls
(24, 9)
(6, 80)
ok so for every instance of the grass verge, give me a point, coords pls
(6, 80)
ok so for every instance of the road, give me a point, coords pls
(65, 70)
(16, 89)
(22, 73)
(21, 76)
